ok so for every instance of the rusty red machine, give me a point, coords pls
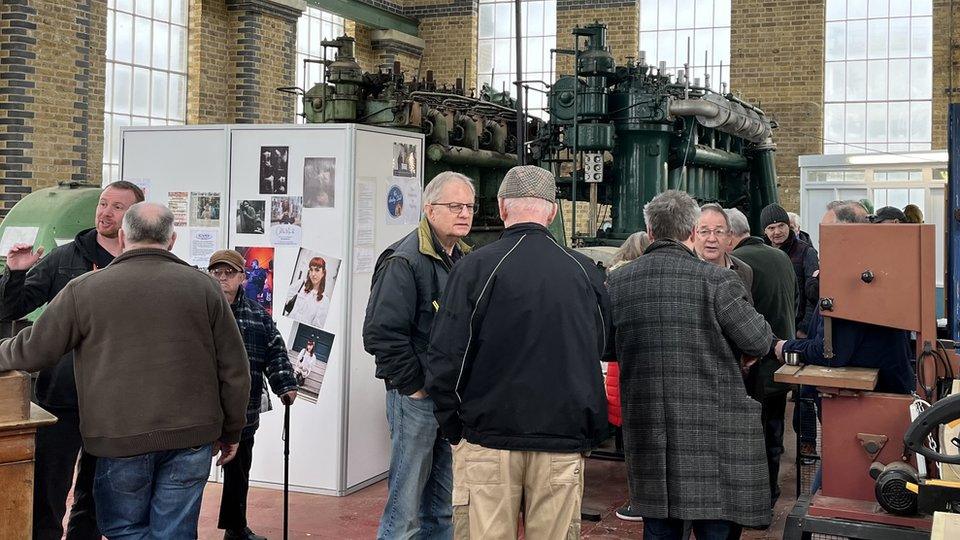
(874, 483)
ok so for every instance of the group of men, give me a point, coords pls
(145, 396)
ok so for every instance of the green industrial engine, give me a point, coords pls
(636, 131)
(616, 135)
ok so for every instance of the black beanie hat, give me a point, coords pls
(773, 213)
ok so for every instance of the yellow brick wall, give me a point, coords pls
(944, 37)
(622, 36)
(208, 69)
(444, 55)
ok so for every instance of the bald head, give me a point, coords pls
(147, 225)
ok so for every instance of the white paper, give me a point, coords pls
(364, 220)
(203, 243)
(178, 202)
(364, 259)
(204, 208)
(285, 235)
(17, 235)
(403, 201)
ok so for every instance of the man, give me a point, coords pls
(692, 436)
(889, 214)
(845, 212)
(268, 358)
(774, 296)
(514, 369)
(28, 283)
(776, 226)
(795, 227)
(712, 244)
(161, 391)
(407, 283)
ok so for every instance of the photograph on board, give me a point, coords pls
(285, 219)
(204, 209)
(250, 217)
(273, 169)
(319, 182)
(404, 159)
(311, 288)
(309, 349)
(258, 265)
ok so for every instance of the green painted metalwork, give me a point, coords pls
(369, 15)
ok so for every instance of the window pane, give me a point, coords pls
(121, 89)
(159, 94)
(704, 13)
(721, 44)
(856, 122)
(648, 14)
(666, 51)
(178, 49)
(534, 19)
(504, 20)
(501, 56)
(161, 9)
(141, 91)
(899, 125)
(899, 8)
(836, 38)
(921, 37)
(667, 14)
(878, 8)
(161, 44)
(177, 97)
(898, 77)
(877, 38)
(178, 12)
(834, 81)
(685, 16)
(856, 39)
(876, 122)
(920, 119)
(856, 9)
(123, 38)
(921, 7)
(485, 56)
(144, 7)
(836, 9)
(856, 81)
(532, 48)
(721, 13)
(921, 79)
(142, 40)
(648, 44)
(899, 38)
(833, 122)
(876, 80)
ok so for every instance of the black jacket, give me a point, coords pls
(407, 283)
(805, 262)
(23, 291)
(515, 350)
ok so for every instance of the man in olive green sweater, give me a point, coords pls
(162, 377)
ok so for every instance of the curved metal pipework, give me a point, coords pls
(458, 155)
(727, 116)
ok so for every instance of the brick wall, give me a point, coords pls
(449, 28)
(366, 56)
(51, 98)
(945, 40)
(776, 60)
(208, 63)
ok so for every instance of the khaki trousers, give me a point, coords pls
(489, 486)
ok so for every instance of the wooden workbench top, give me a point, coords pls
(833, 377)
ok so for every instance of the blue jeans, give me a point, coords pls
(419, 500)
(704, 529)
(155, 495)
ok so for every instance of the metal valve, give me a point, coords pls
(867, 276)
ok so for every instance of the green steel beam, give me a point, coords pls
(368, 15)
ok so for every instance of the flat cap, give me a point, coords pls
(528, 181)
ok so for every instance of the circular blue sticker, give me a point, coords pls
(395, 201)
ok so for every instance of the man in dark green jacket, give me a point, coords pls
(774, 296)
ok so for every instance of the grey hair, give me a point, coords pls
(739, 224)
(529, 205)
(846, 214)
(834, 205)
(154, 228)
(794, 217)
(714, 207)
(632, 247)
(431, 193)
(671, 215)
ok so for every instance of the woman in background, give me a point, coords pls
(306, 361)
(310, 304)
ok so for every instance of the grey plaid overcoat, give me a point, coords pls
(692, 436)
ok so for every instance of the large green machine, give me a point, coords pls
(635, 131)
(616, 135)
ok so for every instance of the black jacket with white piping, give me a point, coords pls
(514, 358)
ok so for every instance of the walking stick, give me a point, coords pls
(286, 464)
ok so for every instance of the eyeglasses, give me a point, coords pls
(706, 233)
(224, 272)
(456, 208)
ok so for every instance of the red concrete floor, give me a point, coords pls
(357, 515)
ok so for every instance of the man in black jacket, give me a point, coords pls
(407, 283)
(28, 283)
(514, 369)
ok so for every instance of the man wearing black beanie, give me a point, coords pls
(776, 230)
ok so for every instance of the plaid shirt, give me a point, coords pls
(267, 354)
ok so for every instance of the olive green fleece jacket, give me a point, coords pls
(159, 361)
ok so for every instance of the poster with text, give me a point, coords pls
(309, 350)
(311, 288)
(274, 163)
(179, 204)
(403, 201)
(285, 221)
(258, 265)
(203, 243)
(251, 216)
(204, 209)
(319, 182)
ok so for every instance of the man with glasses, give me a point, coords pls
(268, 358)
(712, 244)
(408, 280)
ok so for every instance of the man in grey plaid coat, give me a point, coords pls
(693, 438)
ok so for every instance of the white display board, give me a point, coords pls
(292, 195)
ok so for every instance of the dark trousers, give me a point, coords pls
(236, 483)
(54, 466)
(806, 413)
(704, 529)
(772, 412)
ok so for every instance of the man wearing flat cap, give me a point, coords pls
(268, 358)
(514, 371)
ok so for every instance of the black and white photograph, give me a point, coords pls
(251, 216)
(404, 159)
(319, 182)
(274, 164)
(204, 209)
(308, 350)
(311, 288)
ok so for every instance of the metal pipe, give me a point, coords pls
(521, 117)
(459, 155)
(704, 156)
(730, 118)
